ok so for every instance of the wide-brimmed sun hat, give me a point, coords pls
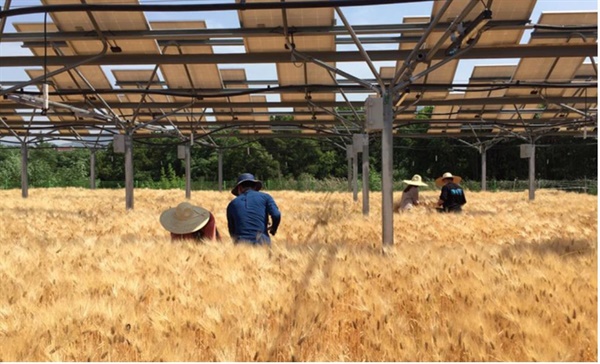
(185, 218)
(244, 177)
(440, 180)
(416, 180)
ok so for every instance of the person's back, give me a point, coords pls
(453, 196)
(410, 195)
(248, 214)
(410, 198)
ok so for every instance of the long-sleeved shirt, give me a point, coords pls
(248, 217)
(409, 198)
(453, 197)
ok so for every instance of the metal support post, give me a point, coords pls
(355, 176)
(188, 171)
(387, 188)
(349, 158)
(24, 179)
(483, 151)
(220, 168)
(365, 174)
(532, 173)
(129, 169)
(92, 169)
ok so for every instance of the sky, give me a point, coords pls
(381, 14)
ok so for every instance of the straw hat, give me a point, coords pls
(415, 181)
(440, 180)
(244, 177)
(185, 218)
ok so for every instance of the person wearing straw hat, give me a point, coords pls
(187, 221)
(410, 195)
(452, 197)
(248, 213)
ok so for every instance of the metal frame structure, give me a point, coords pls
(552, 90)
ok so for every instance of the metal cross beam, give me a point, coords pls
(507, 51)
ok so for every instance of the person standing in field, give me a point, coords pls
(189, 222)
(410, 195)
(452, 197)
(248, 213)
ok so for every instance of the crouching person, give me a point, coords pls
(248, 213)
(452, 197)
(189, 222)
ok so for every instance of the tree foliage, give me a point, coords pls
(156, 163)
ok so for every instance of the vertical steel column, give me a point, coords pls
(188, 171)
(483, 151)
(349, 158)
(532, 173)
(92, 169)
(365, 174)
(387, 188)
(129, 169)
(24, 179)
(355, 176)
(3, 20)
(220, 168)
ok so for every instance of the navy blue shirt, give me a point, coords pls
(248, 217)
(453, 197)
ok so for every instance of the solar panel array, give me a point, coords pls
(193, 97)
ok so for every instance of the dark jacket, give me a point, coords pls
(248, 217)
(453, 197)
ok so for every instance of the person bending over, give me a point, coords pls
(452, 197)
(410, 195)
(187, 221)
(248, 213)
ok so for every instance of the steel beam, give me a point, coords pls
(188, 172)
(365, 175)
(129, 170)
(483, 150)
(92, 168)
(3, 20)
(532, 173)
(340, 85)
(354, 175)
(349, 159)
(361, 49)
(483, 52)
(52, 135)
(220, 168)
(229, 34)
(24, 179)
(412, 56)
(340, 104)
(387, 155)
(344, 114)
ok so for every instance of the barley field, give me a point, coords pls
(508, 280)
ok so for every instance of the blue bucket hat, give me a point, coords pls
(244, 177)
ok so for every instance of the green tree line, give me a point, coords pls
(156, 163)
(290, 160)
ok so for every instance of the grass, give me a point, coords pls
(508, 280)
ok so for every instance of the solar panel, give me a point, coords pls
(201, 81)
(81, 22)
(235, 75)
